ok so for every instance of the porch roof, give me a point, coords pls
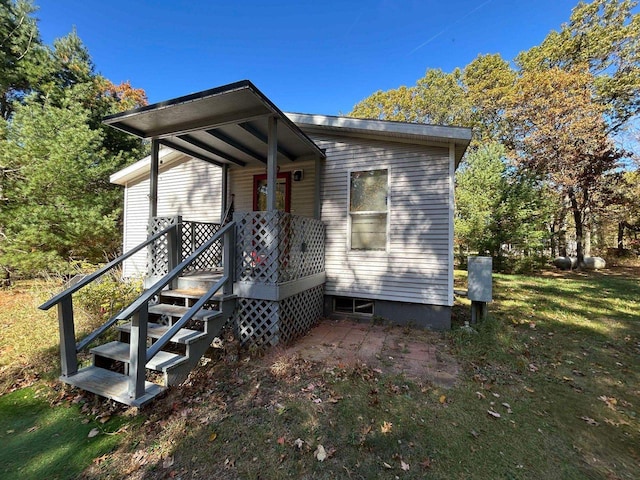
(223, 125)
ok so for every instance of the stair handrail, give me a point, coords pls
(172, 275)
(98, 273)
(139, 309)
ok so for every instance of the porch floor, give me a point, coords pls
(419, 354)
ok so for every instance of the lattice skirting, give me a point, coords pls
(268, 323)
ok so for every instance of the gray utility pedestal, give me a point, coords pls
(479, 284)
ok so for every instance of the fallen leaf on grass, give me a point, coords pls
(533, 367)
(442, 399)
(426, 463)
(493, 414)
(610, 401)
(320, 453)
(590, 421)
(386, 427)
(616, 424)
(386, 465)
(404, 466)
(474, 433)
(481, 395)
(140, 458)
(529, 389)
(298, 443)
(104, 419)
(507, 406)
(168, 462)
(281, 441)
(213, 436)
(94, 432)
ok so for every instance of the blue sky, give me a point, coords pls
(319, 56)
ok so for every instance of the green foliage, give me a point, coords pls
(56, 202)
(604, 35)
(498, 208)
(20, 49)
(438, 98)
(489, 81)
(104, 298)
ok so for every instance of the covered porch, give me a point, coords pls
(278, 252)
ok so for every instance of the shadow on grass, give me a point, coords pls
(40, 441)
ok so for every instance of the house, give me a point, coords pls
(273, 220)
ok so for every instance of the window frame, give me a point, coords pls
(355, 310)
(350, 213)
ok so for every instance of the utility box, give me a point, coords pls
(479, 279)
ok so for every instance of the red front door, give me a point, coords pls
(283, 192)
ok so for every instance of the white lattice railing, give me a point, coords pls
(276, 247)
(190, 236)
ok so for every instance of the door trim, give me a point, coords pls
(287, 189)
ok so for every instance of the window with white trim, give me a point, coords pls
(368, 209)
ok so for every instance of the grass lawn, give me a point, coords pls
(39, 441)
(549, 388)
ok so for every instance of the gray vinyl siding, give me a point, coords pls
(302, 193)
(187, 187)
(416, 265)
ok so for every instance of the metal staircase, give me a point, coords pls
(161, 336)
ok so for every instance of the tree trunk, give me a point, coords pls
(620, 238)
(553, 240)
(587, 241)
(587, 223)
(562, 230)
(577, 219)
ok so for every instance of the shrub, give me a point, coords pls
(105, 297)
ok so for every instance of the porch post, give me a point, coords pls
(317, 188)
(225, 191)
(272, 163)
(153, 179)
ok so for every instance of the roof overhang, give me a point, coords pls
(224, 125)
(440, 135)
(141, 168)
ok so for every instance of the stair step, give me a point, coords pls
(119, 351)
(198, 280)
(191, 293)
(111, 385)
(178, 311)
(154, 330)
